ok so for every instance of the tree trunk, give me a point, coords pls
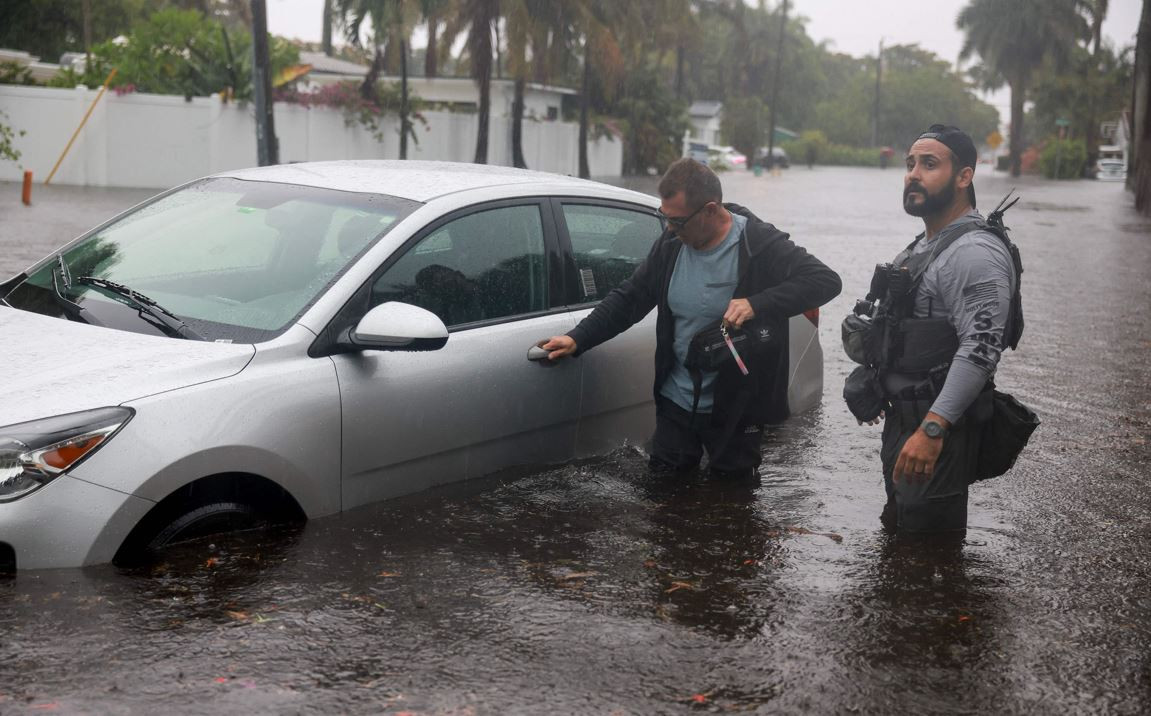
(430, 68)
(482, 68)
(327, 28)
(368, 87)
(518, 125)
(1091, 131)
(679, 59)
(584, 101)
(1018, 90)
(1139, 180)
(405, 121)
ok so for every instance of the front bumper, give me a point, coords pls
(68, 523)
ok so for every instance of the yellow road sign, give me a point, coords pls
(994, 140)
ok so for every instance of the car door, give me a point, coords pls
(606, 241)
(412, 420)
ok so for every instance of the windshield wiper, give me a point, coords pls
(148, 308)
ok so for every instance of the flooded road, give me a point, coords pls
(592, 588)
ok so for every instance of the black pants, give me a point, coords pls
(681, 439)
(937, 503)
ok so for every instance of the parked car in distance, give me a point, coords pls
(1110, 170)
(726, 158)
(292, 341)
(779, 158)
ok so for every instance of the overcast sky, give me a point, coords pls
(845, 24)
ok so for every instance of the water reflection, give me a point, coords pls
(925, 622)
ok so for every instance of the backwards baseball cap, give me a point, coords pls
(960, 145)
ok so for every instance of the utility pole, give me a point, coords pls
(267, 149)
(878, 77)
(775, 86)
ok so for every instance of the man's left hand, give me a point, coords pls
(919, 454)
(738, 311)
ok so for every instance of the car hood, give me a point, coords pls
(50, 366)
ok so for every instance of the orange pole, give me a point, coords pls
(82, 123)
(27, 194)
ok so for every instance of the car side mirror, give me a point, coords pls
(395, 326)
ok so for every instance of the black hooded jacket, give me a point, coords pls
(778, 278)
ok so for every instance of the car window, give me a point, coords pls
(483, 266)
(608, 243)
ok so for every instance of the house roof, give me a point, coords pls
(705, 108)
(324, 65)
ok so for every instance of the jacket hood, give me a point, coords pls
(50, 366)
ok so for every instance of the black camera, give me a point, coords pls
(889, 281)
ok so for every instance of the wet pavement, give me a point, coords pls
(590, 588)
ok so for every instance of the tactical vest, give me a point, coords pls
(893, 341)
(920, 345)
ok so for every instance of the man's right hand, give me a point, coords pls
(558, 346)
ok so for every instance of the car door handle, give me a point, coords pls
(537, 353)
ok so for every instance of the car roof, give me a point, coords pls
(416, 180)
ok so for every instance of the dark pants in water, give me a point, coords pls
(938, 502)
(681, 439)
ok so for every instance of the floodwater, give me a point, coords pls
(594, 588)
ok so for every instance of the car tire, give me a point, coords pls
(204, 520)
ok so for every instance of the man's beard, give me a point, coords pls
(932, 203)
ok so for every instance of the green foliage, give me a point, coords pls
(744, 124)
(346, 97)
(653, 122)
(49, 28)
(833, 154)
(811, 147)
(1064, 94)
(1063, 158)
(917, 90)
(182, 52)
(13, 73)
(7, 134)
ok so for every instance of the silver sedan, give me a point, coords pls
(289, 342)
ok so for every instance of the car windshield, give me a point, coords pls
(234, 260)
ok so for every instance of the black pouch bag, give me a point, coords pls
(863, 394)
(708, 349)
(1004, 435)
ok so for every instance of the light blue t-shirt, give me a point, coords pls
(702, 285)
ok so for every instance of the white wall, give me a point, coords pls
(159, 141)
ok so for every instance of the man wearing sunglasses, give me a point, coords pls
(714, 261)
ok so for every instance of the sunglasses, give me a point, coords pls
(677, 222)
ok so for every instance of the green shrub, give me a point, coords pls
(1063, 159)
(831, 154)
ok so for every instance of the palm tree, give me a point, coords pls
(1014, 37)
(432, 11)
(391, 22)
(602, 55)
(1097, 10)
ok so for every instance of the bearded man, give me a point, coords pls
(948, 325)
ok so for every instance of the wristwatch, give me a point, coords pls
(933, 429)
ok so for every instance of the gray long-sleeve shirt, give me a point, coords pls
(971, 283)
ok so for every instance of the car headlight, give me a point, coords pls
(33, 454)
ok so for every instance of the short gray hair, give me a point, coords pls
(698, 183)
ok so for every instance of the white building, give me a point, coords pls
(705, 116)
(456, 94)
